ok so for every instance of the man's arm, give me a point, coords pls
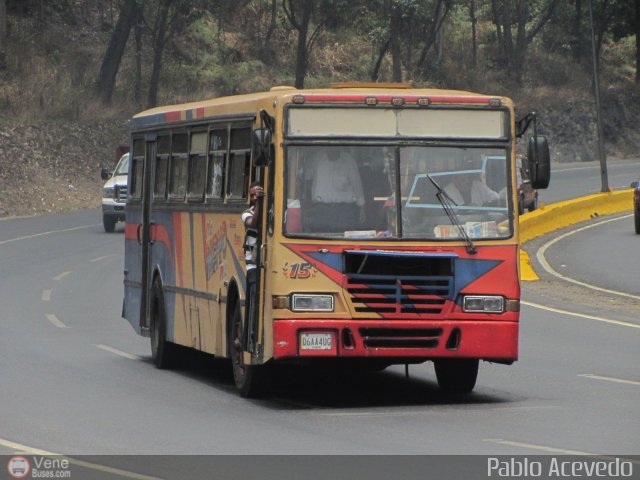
(251, 221)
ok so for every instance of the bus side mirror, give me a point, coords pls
(539, 162)
(261, 147)
(105, 174)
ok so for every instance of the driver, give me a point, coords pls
(471, 189)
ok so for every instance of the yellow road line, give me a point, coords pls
(609, 379)
(55, 321)
(19, 448)
(582, 315)
(46, 295)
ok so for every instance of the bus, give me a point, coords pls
(365, 253)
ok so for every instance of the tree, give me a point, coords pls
(412, 27)
(637, 32)
(3, 34)
(519, 13)
(299, 13)
(395, 26)
(159, 42)
(115, 50)
(474, 34)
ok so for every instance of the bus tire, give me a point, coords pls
(456, 375)
(252, 381)
(163, 352)
(109, 223)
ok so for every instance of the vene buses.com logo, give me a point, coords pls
(18, 467)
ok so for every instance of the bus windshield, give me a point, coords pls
(351, 191)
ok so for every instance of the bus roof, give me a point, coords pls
(344, 93)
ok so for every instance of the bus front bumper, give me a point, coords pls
(398, 339)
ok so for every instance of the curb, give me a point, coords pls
(549, 218)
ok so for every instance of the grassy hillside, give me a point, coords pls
(55, 133)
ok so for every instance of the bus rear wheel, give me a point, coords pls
(163, 352)
(252, 381)
(457, 375)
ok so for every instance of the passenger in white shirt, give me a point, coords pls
(336, 191)
(470, 189)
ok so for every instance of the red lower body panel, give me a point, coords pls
(488, 340)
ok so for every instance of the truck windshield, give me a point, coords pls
(340, 191)
(123, 165)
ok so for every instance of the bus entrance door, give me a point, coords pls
(145, 235)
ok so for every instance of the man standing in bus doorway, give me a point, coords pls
(250, 218)
(336, 191)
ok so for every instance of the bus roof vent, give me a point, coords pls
(279, 88)
(370, 85)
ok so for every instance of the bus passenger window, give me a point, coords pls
(238, 174)
(137, 169)
(197, 165)
(239, 163)
(162, 162)
(179, 166)
(217, 155)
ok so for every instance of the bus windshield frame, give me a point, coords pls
(357, 199)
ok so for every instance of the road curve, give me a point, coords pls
(84, 384)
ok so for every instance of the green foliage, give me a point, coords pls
(231, 46)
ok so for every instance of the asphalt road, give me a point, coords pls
(571, 180)
(77, 380)
(602, 254)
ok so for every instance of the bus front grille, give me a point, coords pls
(398, 284)
(397, 294)
(401, 338)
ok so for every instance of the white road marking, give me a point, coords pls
(55, 321)
(104, 257)
(543, 261)
(61, 275)
(107, 348)
(561, 451)
(35, 235)
(46, 295)
(593, 167)
(428, 412)
(582, 315)
(609, 379)
(19, 448)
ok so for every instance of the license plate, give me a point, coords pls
(316, 341)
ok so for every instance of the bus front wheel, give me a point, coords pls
(252, 381)
(163, 352)
(456, 375)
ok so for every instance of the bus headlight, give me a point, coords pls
(483, 304)
(304, 302)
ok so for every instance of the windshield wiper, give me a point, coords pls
(446, 201)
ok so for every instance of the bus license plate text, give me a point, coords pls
(316, 341)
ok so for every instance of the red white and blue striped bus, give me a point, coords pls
(388, 232)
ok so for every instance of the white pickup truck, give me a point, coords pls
(114, 194)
